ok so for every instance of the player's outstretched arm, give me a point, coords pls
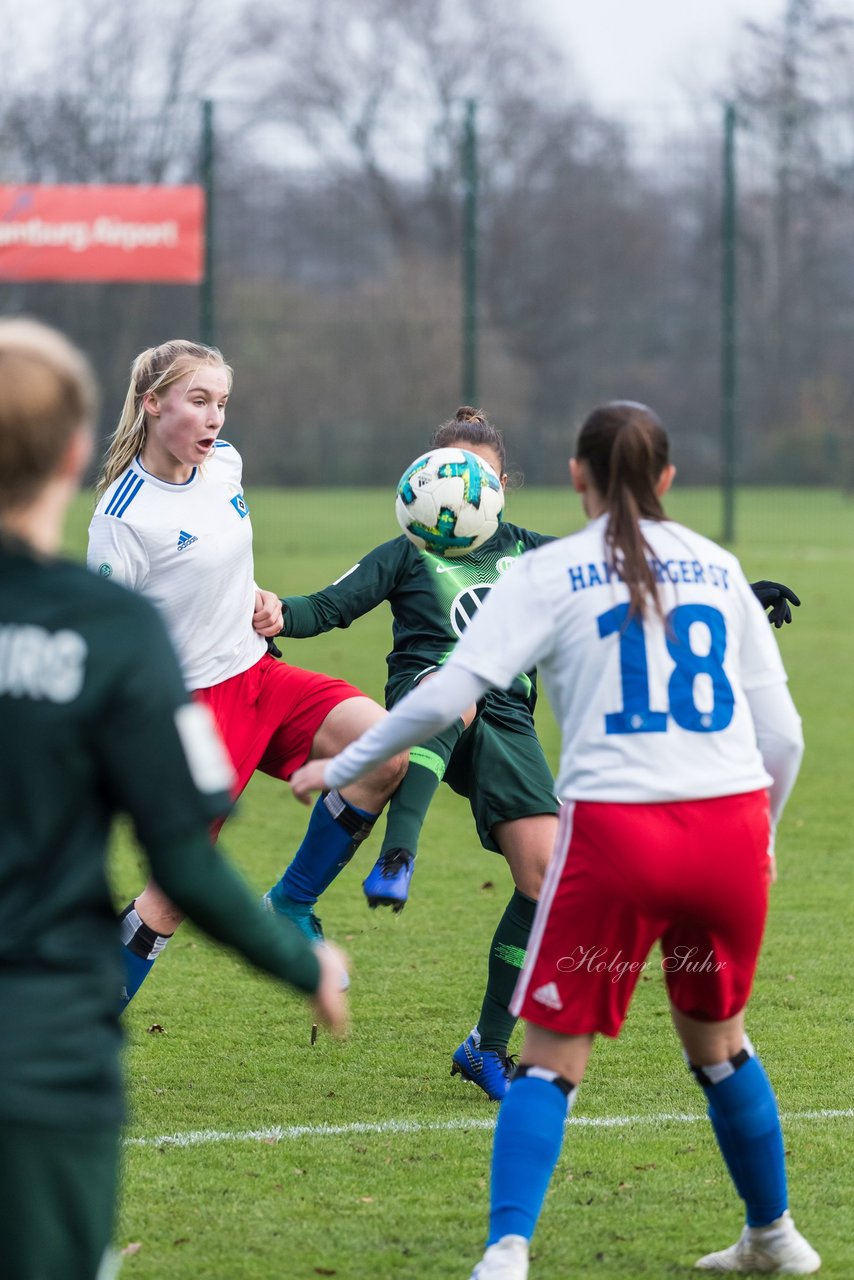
(429, 708)
(776, 599)
(360, 589)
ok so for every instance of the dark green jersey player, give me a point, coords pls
(432, 601)
(493, 757)
(95, 722)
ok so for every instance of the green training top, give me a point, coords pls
(94, 721)
(432, 600)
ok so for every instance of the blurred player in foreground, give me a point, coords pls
(680, 745)
(173, 524)
(95, 723)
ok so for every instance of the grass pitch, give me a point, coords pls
(367, 1160)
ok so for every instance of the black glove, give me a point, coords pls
(272, 648)
(775, 597)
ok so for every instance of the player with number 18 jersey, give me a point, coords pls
(653, 713)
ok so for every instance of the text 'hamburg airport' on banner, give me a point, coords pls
(107, 233)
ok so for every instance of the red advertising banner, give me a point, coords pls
(107, 233)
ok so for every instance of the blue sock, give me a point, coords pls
(743, 1112)
(137, 969)
(140, 948)
(335, 830)
(528, 1139)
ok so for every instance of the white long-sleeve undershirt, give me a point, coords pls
(780, 739)
(428, 709)
(439, 701)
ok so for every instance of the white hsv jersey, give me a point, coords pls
(188, 548)
(649, 710)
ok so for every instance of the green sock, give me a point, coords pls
(506, 957)
(409, 804)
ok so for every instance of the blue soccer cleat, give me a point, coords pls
(490, 1069)
(387, 884)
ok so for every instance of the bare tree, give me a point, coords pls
(375, 88)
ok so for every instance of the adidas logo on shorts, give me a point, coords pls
(548, 995)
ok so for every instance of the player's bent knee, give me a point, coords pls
(387, 777)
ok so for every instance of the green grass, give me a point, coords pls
(642, 1200)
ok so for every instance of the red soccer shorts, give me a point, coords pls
(268, 715)
(692, 874)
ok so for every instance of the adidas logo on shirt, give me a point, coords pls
(548, 995)
(185, 540)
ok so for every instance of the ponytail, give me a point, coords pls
(152, 370)
(626, 448)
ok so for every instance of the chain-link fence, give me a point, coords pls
(339, 281)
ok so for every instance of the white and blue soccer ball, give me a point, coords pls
(449, 502)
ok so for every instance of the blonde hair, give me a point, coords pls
(47, 393)
(152, 370)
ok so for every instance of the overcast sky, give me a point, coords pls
(633, 51)
(623, 51)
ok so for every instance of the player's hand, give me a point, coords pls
(330, 1000)
(776, 599)
(307, 779)
(267, 618)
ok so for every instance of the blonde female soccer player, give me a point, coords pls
(173, 523)
(95, 723)
(680, 744)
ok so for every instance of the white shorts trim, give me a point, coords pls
(553, 875)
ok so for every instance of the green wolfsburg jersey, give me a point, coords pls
(432, 600)
(90, 694)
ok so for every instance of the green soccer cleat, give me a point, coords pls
(300, 914)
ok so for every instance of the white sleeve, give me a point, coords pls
(115, 551)
(780, 740)
(431, 707)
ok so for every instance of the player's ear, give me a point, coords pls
(665, 480)
(577, 475)
(151, 404)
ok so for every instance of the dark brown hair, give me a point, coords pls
(47, 393)
(626, 449)
(470, 426)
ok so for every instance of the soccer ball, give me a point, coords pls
(449, 502)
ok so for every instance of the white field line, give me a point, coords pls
(199, 1137)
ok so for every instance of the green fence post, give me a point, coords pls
(206, 289)
(470, 248)
(729, 355)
